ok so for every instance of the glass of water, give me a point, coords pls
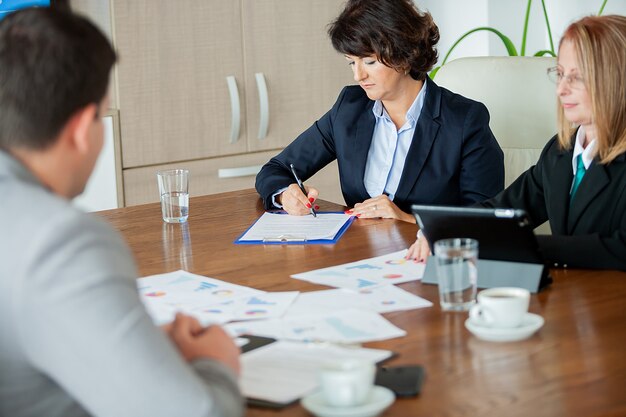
(174, 192)
(457, 273)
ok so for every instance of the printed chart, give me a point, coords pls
(208, 299)
(344, 326)
(392, 268)
(381, 299)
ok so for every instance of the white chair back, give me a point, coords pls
(520, 98)
(521, 101)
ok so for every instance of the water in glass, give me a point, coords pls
(457, 273)
(175, 207)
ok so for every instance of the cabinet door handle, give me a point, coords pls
(239, 172)
(235, 108)
(264, 105)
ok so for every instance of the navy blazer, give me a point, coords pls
(453, 159)
(591, 233)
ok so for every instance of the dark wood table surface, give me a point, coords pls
(574, 366)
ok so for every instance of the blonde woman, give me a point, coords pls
(579, 182)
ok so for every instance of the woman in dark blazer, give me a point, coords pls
(579, 182)
(398, 138)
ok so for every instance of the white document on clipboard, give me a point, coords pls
(278, 227)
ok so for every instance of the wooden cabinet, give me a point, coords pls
(287, 47)
(206, 176)
(175, 57)
(214, 84)
(216, 175)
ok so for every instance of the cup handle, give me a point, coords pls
(481, 314)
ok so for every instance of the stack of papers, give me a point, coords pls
(279, 373)
(310, 328)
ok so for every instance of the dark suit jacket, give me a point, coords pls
(453, 158)
(589, 234)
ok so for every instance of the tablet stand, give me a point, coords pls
(532, 277)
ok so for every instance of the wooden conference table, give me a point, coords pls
(574, 366)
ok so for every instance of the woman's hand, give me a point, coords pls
(380, 206)
(294, 202)
(419, 251)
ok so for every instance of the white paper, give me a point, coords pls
(383, 299)
(208, 299)
(260, 306)
(284, 371)
(276, 226)
(392, 268)
(344, 326)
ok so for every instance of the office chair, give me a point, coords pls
(521, 101)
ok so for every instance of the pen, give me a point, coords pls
(293, 171)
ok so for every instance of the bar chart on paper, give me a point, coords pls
(344, 326)
(392, 268)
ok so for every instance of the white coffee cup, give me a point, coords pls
(502, 307)
(346, 382)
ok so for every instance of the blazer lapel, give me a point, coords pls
(360, 146)
(561, 183)
(595, 180)
(425, 133)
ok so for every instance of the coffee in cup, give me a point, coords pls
(503, 307)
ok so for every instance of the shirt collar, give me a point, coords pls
(411, 115)
(587, 153)
(13, 167)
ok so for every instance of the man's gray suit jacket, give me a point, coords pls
(74, 337)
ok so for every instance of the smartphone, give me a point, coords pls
(404, 381)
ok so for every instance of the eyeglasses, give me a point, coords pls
(573, 81)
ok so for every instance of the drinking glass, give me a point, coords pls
(457, 273)
(174, 192)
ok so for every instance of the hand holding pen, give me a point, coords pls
(295, 198)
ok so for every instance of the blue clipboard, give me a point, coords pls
(291, 239)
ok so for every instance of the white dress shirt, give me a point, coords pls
(588, 153)
(389, 148)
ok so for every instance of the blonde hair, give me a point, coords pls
(600, 42)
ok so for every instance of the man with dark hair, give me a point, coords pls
(74, 337)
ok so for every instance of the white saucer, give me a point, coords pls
(530, 324)
(379, 399)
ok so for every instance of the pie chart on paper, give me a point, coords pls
(156, 294)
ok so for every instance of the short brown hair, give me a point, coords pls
(52, 63)
(599, 43)
(395, 31)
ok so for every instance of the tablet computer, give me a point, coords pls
(508, 251)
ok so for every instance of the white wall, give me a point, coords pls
(101, 190)
(455, 17)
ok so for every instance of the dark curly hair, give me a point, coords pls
(395, 31)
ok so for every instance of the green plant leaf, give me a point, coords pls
(510, 48)
(544, 52)
(523, 50)
(545, 15)
(434, 72)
